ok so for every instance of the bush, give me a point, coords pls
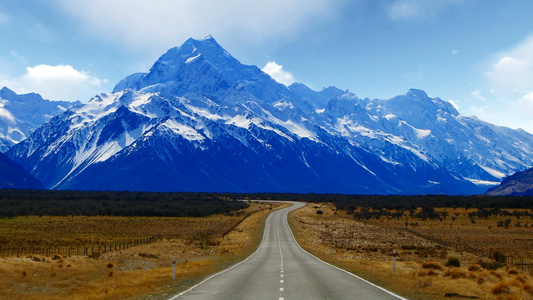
(319, 212)
(501, 288)
(453, 262)
(490, 265)
(432, 266)
(474, 267)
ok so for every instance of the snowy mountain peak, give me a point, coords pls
(420, 94)
(206, 47)
(21, 114)
(199, 120)
(206, 37)
(7, 93)
(180, 68)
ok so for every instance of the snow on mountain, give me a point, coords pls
(21, 114)
(199, 120)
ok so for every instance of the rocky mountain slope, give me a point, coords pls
(199, 120)
(518, 184)
(22, 114)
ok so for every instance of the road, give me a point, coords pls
(280, 269)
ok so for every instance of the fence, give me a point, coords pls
(92, 250)
(517, 262)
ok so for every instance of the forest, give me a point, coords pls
(77, 203)
(94, 203)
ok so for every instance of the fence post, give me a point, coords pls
(173, 268)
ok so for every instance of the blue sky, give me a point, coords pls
(477, 54)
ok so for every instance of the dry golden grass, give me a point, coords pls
(365, 248)
(137, 271)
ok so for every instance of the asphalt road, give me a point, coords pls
(280, 269)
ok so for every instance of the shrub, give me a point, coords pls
(474, 267)
(501, 288)
(528, 288)
(148, 255)
(453, 262)
(319, 212)
(517, 281)
(432, 265)
(457, 273)
(513, 272)
(490, 265)
(109, 265)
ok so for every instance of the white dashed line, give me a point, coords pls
(281, 289)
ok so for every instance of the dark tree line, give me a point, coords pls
(64, 203)
(70, 203)
(397, 202)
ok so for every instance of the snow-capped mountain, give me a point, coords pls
(22, 114)
(199, 120)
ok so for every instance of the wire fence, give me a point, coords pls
(94, 250)
(460, 247)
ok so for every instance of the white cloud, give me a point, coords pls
(409, 9)
(509, 80)
(455, 52)
(276, 71)
(477, 95)
(525, 104)
(163, 23)
(512, 70)
(61, 82)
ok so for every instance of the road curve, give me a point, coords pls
(280, 269)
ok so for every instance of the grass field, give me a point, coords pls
(365, 247)
(199, 244)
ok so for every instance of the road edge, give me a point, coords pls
(233, 266)
(340, 269)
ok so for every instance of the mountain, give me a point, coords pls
(518, 184)
(199, 120)
(13, 176)
(22, 114)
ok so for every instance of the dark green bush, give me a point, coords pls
(453, 262)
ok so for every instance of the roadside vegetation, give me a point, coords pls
(201, 246)
(448, 246)
(443, 253)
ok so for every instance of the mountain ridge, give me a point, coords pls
(213, 124)
(22, 114)
(518, 184)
